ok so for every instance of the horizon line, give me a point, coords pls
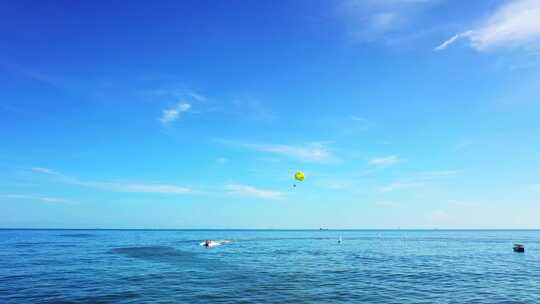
(282, 229)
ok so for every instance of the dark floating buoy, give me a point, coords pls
(519, 248)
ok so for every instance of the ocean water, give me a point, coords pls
(268, 266)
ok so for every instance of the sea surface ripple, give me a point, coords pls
(269, 266)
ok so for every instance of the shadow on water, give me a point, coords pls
(153, 253)
(164, 254)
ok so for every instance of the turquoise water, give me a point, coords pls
(156, 266)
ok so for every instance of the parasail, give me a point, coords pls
(299, 176)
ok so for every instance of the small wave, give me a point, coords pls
(103, 298)
(187, 241)
(32, 244)
(199, 240)
(285, 251)
(285, 239)
(77, 235)
(145, 251)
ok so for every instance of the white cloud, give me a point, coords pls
(514, 24)
(314, 152)
(250, 191)
(40, 198)
(118, 186)
(172, 114)
(44, 170)
(385, 160)
(400, 185)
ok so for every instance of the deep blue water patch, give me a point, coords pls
(77, 235)
(155, 253)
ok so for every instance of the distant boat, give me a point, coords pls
(340, 240)
(323, 228)
(519, 248)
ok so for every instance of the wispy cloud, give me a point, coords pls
(251, 108)
(222, 160)
(535, 187)
(117, 186)
(452, 39)
(240, 106)
(250, 191)
(176, 92)
(358, 118)
(430, 175)
(39, 76)
(196, 96)
(146, 188)
(46, 199)
(361, 123)
(309, 153)
(514, 24)
(44, 170)
(385, 204)
(439, 217)
(385, 160)
(171, 114)
(371, 20)
(313, 152)
(335, 184)
(383, 21)
(418, 179)
(400, 186)
(135, 187)
(462, 203)
(463, 145)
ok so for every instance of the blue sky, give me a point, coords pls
(196, 114)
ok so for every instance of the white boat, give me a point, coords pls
(214, 243)
(210, 244)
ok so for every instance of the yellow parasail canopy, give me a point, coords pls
(299, 176)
